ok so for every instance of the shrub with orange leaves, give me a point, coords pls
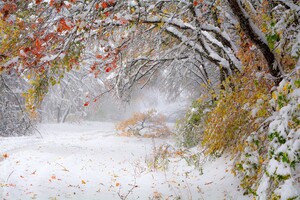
(147, 124)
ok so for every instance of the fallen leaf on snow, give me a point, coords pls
(5, 155)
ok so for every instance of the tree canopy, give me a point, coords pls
(130, 42)
(240, 57)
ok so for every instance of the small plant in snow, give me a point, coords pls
(160, 158)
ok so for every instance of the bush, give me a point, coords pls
(270, 162)
(147, 124)
(239, 111)
(160, 158)
(189, 130)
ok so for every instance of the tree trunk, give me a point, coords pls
(256, 39)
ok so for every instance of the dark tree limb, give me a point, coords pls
(255, 38)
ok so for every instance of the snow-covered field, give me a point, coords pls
(88, 161)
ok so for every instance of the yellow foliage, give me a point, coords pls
(10, 40)
(239, 111)
(148, 124)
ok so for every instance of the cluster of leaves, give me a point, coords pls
(283, 164)
(189, 130)
(237, 123)
(239, 111)
(249, 165)
(270, 161)
(147, 124)
(281, 30)
(29, 48)
(114, 36)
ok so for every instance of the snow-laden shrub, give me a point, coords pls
(282, 169)
(189, 130)
(249, 164)
(146, 124)
(270, 162)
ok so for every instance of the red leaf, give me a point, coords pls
(27, 49)
(97, 6)
(195, 3)
(62, 26)
(93, 67)
(86, 103)
(108, 69)
(104, 4)
(38, 1)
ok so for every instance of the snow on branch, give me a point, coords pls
(212, 56)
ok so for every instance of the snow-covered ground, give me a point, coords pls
(88, 161)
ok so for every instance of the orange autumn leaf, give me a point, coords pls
(99, 56)
(62, 26)
(117, 184)
(104, 5)
(83, 181)
(53, 177)
(38, 43)
(5, 155)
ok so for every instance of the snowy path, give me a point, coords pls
(88, 161)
